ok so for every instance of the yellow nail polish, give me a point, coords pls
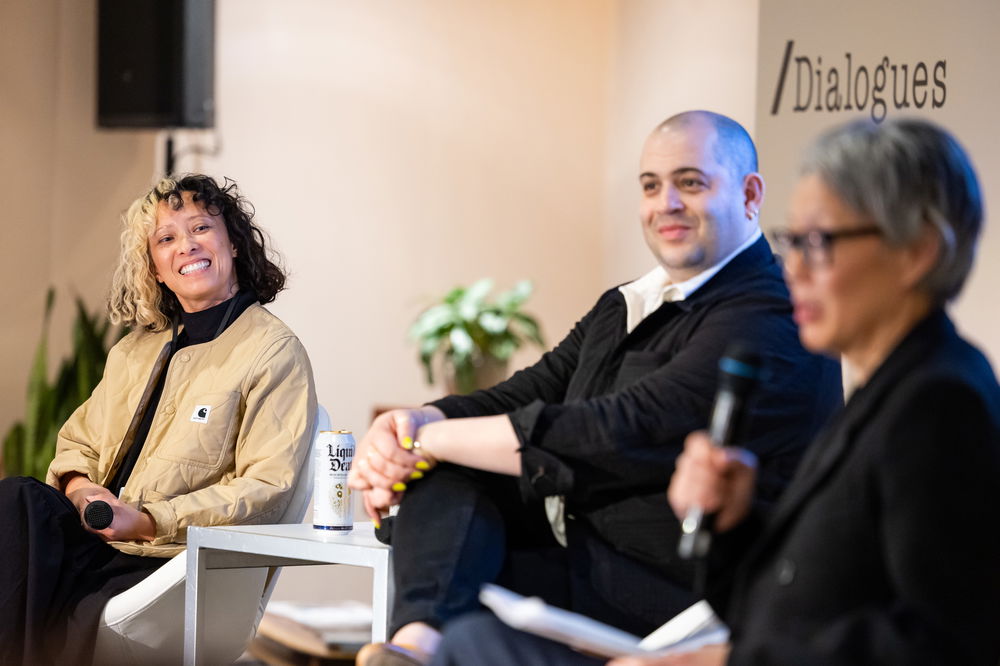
(407, 443)
(377, 524)
(422, 464)
(399, 487)
(416, 475)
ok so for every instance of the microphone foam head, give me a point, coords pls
(98, 514)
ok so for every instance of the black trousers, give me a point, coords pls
(55, 577)
(459, 528)
(483, 640)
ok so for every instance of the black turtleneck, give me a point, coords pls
(199, 327)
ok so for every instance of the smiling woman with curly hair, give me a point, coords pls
(138, 299)
(203, 417)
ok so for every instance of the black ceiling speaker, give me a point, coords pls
(156, 63)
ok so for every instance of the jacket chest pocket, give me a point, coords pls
(202, 430)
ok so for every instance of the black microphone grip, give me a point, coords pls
(739, 370)
(98, 514)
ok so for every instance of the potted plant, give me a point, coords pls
(30, 445)
(472, 337)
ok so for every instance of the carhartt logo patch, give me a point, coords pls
(200, 414)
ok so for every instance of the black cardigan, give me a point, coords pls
(602, 417)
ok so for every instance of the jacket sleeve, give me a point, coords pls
(78, 445)
(545, 381)
(936, 477)
(629, 439)
(275, 433)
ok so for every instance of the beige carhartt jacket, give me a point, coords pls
(228, 438)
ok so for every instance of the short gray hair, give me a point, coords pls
(904, 174)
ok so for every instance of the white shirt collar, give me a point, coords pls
(644, 296)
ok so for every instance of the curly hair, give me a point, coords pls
(137, 299)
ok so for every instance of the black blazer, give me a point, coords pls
(885, 549)
(602, 417)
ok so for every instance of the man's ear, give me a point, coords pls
(753, 194)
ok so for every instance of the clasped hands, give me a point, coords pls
(386, 459)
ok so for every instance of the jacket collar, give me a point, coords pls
(830, 447)
(749, 262)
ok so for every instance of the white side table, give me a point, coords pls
(211, 548)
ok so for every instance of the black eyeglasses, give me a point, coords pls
(816, 245)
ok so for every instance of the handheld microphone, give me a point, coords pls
(739, 371)
(98, 514)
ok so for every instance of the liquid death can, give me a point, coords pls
(332, 506)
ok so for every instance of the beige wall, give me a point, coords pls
(62, 181)
(394, 150)
(28, 36)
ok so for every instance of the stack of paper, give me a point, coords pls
(689, 630)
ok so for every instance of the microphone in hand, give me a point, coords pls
(739, 371)
(98, 514)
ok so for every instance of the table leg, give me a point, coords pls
(194, 606)
(382, 590)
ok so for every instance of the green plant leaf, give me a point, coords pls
(461, 343)
(468, 326)
(474, 298)
(89, 352)
(13, 449)
(531, 328)
(30, 445)
(39, 396)
(493, 323)
(477, 292)
(427, 348)
(46, 451)
(454, 296)
(515, 297)
(50, 300)
(433, 320)
(429, 345)
(503, 348)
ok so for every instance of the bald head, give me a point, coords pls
(701, 192)
(732, 147)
